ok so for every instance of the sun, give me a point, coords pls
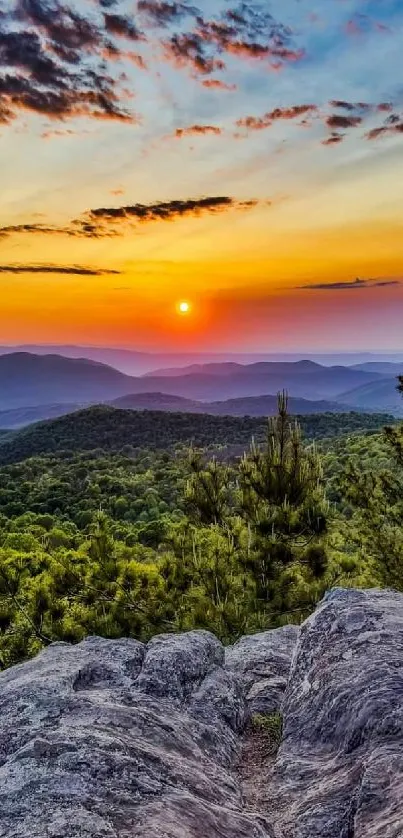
(184, 307)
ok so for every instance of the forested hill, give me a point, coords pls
(115, 430)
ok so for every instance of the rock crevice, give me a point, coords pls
(117, 739)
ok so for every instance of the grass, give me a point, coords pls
(270, 725)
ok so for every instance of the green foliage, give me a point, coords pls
(270, 725)
(257, 551)
(376, 498)
(109, 525)
(104, 429)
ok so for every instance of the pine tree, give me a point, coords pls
(268, 516)
(283, 505)
(377, 497)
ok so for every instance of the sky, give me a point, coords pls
(244, 157)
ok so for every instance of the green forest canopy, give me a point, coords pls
(110, 524)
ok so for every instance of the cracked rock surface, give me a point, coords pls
(110, 739)
(339, 771)
(119, 739)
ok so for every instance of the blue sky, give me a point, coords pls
(292, 111)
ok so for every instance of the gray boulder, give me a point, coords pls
(117, 739)
(339, 772)
(262, 662)
(111, 739)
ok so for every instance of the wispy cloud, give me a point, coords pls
(103, 217)
(356, 285)
(102, 222)
(392, 125)
(254, 123)
(197, 130)
(65, 270)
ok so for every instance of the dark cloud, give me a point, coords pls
(123, 27)
(104, 221)
(197, 130)
(355, 284)
(54, 61)
(246, 31)
(337, 121)
(334, 139)
(47, 268)
(392, 125)
(163, 13)
(254, 123)
(341, 104)
(101, 218)
(36, 229)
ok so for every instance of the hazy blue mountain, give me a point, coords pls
(253, 406)
(133, 362)
(383, 367)
(303, 379)
(16, 418)
(232, 368)
(378, 395)
(19, 417)
(29, 380)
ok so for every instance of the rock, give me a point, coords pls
(263, 662)
(339, 771)
(117, 739)
(111, 739)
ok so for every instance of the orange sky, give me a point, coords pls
(132, 202)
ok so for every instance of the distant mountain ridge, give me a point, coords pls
(377, 394)
(28, 380)
(265, 405)
(258, 406)
(135, 362)
(106, 428)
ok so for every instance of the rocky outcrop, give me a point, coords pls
(110, 739)
(262, 662)
(116, 739)
(339, 772)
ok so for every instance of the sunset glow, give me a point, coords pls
(259, 173)
(184, 308)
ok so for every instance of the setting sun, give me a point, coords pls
(184, 307)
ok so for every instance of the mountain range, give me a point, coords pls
(133, 362)
(46, 386)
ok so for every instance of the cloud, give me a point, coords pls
(37, 229)
(123, 27)
(361, 24)
(58, 63)
(338, 121)
(217, 84)
(162, 13)
(334, 139)
(355, 284)
(197, 130)
(102, 218)
(254, 123)
(392, 125)
(355, 113)
(104, 222)
(67, 270)
(247, 31)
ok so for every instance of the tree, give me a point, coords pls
(208, 491)
(258, 538)
(283, 505)
(377, 498)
